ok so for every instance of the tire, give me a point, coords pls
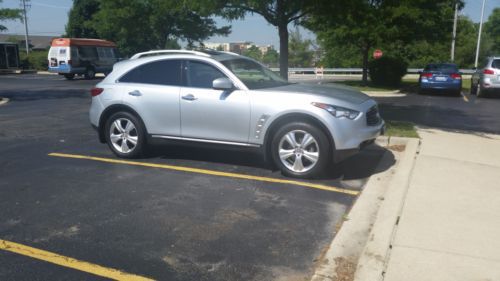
(317, 149)
(122, 129)
(479, 91)
(473, 89)
(458, 93)
(69, 76)
(89, 73)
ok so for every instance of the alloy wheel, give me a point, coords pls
(298, 151)
(123, 135)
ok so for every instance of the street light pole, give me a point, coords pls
(26, 38)
(479, 35)
(454, 37)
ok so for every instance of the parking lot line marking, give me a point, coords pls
(69, 262)
(209, 172)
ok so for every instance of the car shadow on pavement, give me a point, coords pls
(358, 167)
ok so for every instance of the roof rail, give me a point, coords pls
(167, 52)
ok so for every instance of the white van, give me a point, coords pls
(72, 56)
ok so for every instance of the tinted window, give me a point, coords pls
(442, 67)
(495, 64)
(87, 53)
(201, 75)
(164, 72)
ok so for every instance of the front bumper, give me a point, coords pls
(342, 154)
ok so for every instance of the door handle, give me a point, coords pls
(135, 93)
(189, 97)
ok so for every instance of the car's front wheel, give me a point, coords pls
(300, 150)
(125, 135)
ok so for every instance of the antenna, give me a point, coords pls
(25, 4)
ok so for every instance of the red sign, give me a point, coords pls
(377, 54)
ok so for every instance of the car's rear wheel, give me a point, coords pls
(479, 91)
(125, 135)
(89, 73)
(69, 76)
(300, 150)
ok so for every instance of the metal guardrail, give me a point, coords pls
(326, 71)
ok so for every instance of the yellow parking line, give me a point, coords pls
(68, 262)
(209, 172)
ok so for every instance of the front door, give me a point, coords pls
(210, 114)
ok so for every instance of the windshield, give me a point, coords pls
(444, 67)
(254, 75)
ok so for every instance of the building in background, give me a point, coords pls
(36, 42)
(237, 47)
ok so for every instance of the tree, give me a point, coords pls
(139, 25)
(492, 30)
(279, 13)
(300, 53)
(8, 14)
(80, 23)
(367, 24)
(253, 52)
(271, 58)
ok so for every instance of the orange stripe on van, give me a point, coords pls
(64, 42)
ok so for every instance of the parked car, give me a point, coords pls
(487, 78)
(72, 56)
(226, 99)
(440, 77)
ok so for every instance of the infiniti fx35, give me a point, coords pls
(227, 99)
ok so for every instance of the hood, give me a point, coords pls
(336, 91)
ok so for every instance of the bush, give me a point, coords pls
(36, 60)
(387, 71)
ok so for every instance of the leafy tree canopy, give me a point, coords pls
(139, 25)
(8, 14)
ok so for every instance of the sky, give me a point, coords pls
(49, 17)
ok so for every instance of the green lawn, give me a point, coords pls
(400, 129)
(406, 86)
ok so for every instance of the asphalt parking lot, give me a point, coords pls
(181, 214)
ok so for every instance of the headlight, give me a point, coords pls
(338, 111)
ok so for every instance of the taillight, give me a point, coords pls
(488, 71)
(96, 91)
(456, 76)
(426, 75)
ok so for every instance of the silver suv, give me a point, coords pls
(487, 78)
(227, 99)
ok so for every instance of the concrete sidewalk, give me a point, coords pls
(449, 226)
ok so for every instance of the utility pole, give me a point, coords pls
(454, 37)
(26, 37)
(479, 35)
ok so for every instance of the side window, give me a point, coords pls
(164, 72)
(201, 75)
(88, 53)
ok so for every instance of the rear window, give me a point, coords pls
(164, 72)
(441, 68)
(495, 64)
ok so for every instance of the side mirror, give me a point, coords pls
(222, 84)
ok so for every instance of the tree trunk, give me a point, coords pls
(283, 33)
(366, 50)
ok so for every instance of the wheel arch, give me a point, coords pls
(112, 110)
(292, 117)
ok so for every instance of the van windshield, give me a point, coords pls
(254, 75)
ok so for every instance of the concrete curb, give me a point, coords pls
(3, 101)
(372, 263)
(351, 241)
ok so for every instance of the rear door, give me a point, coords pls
(495, 66)
(212, 114)
(152, 90)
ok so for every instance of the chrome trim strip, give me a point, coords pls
(206, 141)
